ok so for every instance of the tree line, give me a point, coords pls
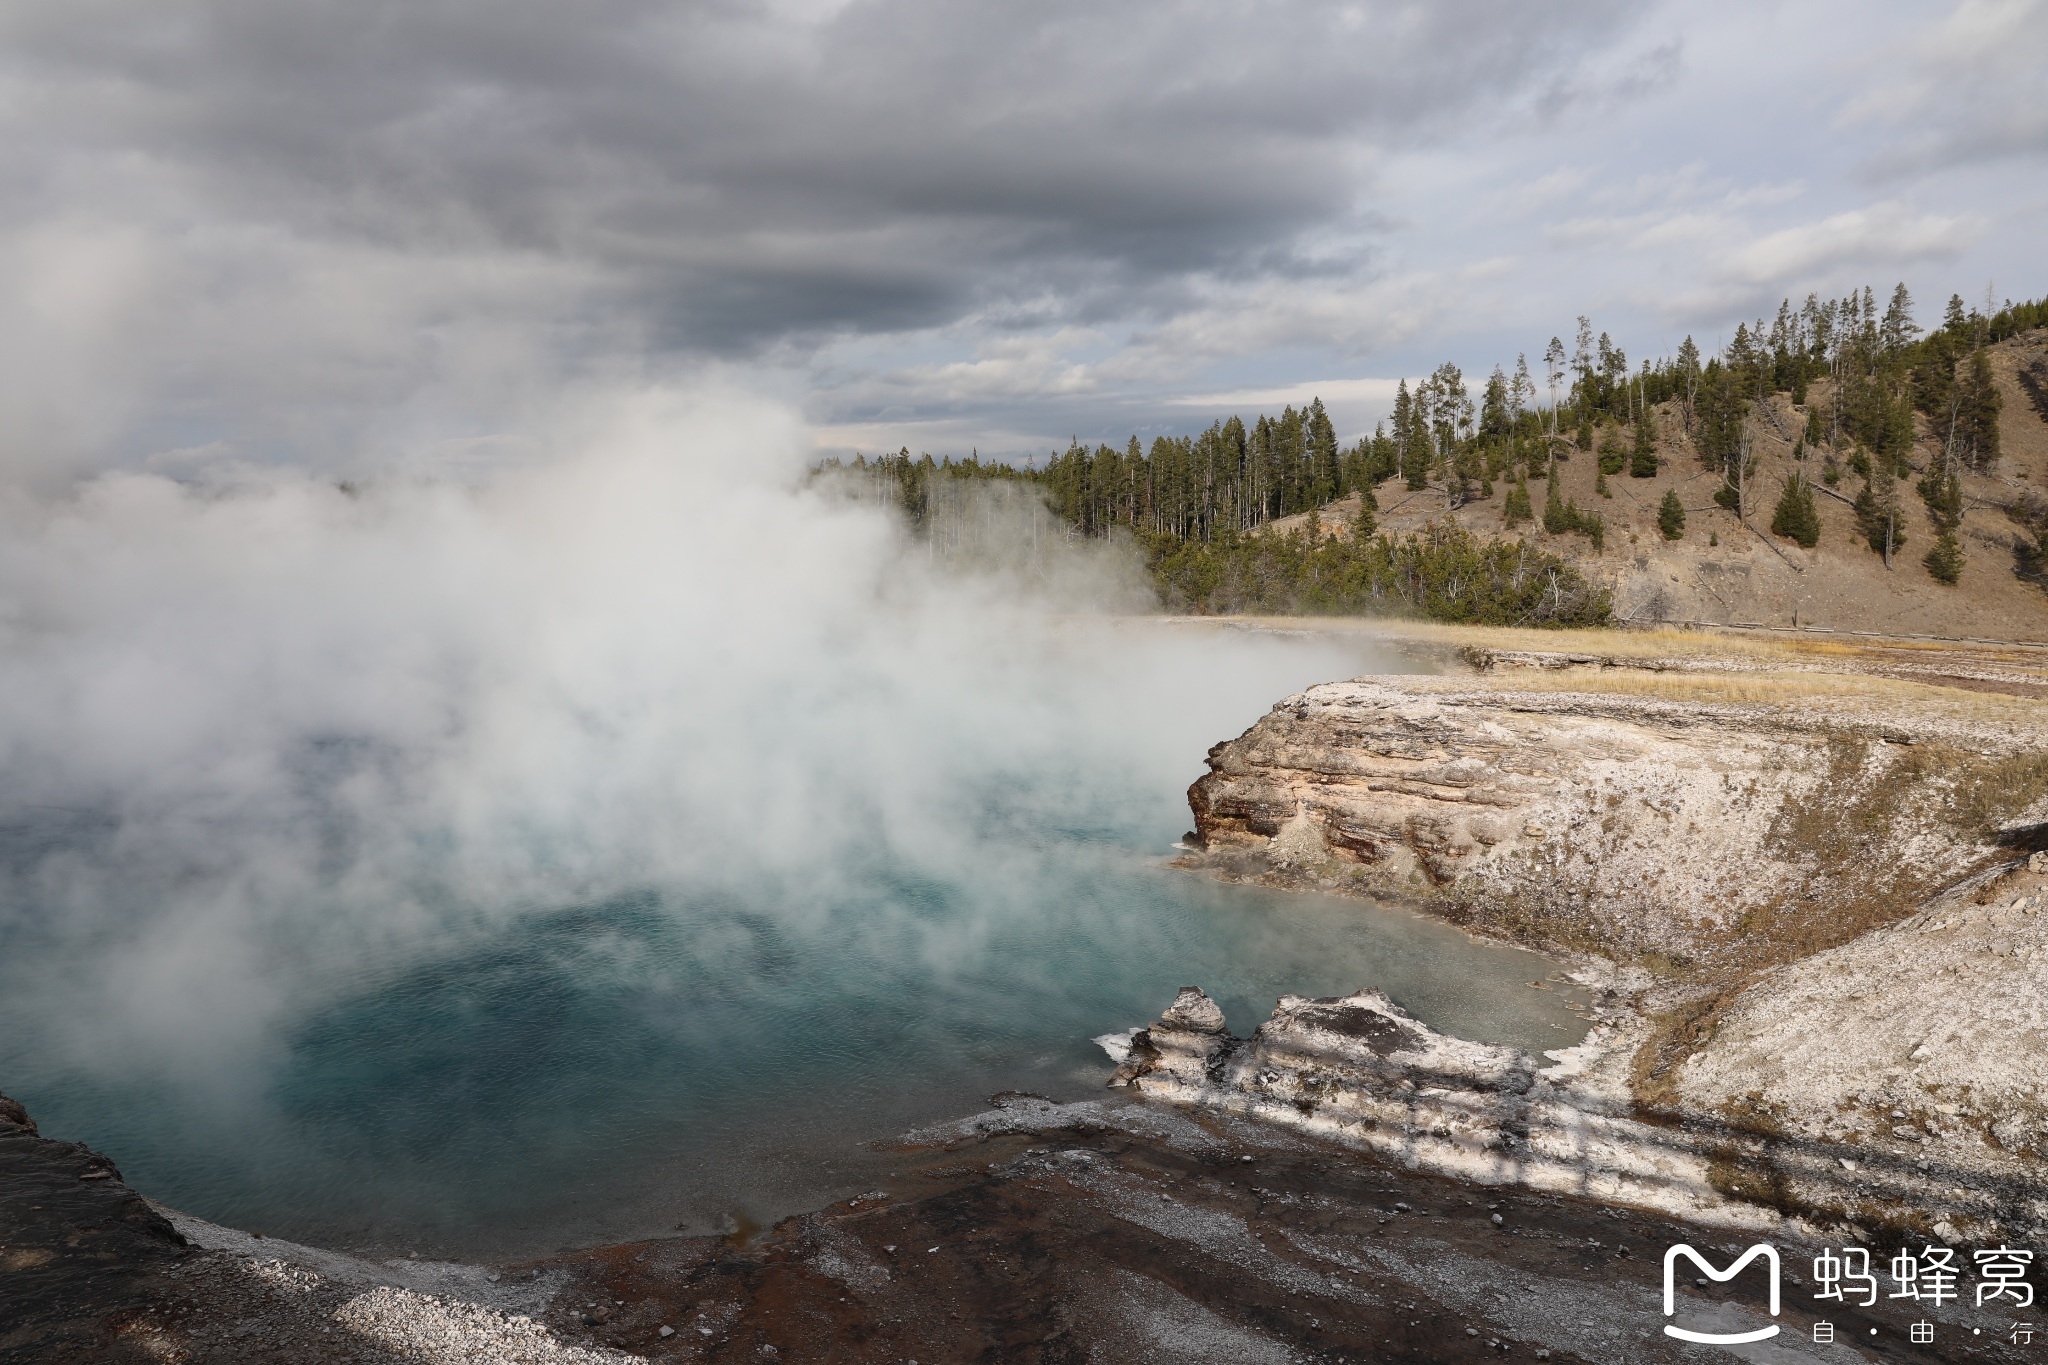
(1199, 504)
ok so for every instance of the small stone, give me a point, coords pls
(2012, 1132)
(1920, 1053)
(1471, 1331)
(666, 1331)
(1497, 1220)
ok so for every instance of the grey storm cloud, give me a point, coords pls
(710, 178)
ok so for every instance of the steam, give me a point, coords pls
(268, 736)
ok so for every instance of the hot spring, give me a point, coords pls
(608, 850)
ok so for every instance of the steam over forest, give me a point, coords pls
(1201, 507)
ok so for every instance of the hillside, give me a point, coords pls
(1729, 571)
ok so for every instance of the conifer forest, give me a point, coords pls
(1202, 508)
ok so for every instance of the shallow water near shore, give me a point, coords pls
(727, 1049)
(632, 1068)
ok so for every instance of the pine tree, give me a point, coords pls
(1411, 438)
(1643, 460)
(1495, 417)
(1945, 560)
(1877, 515)
(1553, 364)
(1521, 390)
(1516, 509)
(1796, 517)
(1686, 375)
(1600, 484)
(1977, 406)
(1386, 460)
(1895, 446)
(1943, 493)
(1366, 521)
(1321, 436)
(1955, 319)
(1556, 519)
(1815, 431)
(1898, 329)
(1671, 515)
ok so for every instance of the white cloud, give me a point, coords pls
(302, 240)
(1969, 89)
(1883, 235)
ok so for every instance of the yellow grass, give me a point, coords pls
(1760, 687)
(1660, 642)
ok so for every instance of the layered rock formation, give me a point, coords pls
(1701, 817)
(1808, 898)
(1359, 1070)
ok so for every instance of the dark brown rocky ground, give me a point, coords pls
(1041, 1233)
(78, 1249)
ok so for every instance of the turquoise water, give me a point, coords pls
(623, 1069)
(702, 1047)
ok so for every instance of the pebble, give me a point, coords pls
(446, 1330)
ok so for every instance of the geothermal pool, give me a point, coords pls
(515, 1079)
(620, 1070)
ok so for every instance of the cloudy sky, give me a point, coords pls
(350, 232)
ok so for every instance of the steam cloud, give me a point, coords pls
(269, 735)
